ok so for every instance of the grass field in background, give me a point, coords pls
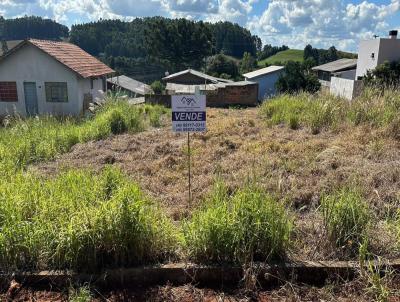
(283, 56)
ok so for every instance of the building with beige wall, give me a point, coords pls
(47, 77)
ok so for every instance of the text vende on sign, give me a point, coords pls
(188, 113)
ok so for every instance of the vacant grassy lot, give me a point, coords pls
(283, 56)
(302, 177)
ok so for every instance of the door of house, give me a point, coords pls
(31, 100)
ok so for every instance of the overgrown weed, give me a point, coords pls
(346, 218)
(322, 111)
(80, 220)
(247, 226)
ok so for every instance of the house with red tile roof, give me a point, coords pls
(47, 77)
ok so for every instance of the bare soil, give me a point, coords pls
(240, 147)
(351, 291)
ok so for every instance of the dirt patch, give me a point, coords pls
(349, 291)
(239, 147)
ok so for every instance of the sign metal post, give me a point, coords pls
(189, 115)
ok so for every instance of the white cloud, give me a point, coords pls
(321, 23)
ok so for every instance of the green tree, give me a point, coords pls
(32, 27)
(248, 63)
(296, 79)
(270, 50)
(158, 87)
(221, 64)
(384, 75)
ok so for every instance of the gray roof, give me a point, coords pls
(236, 84)
(197, 74)
(337, 65)
(10, 44)
(263, 71)
(130, 84)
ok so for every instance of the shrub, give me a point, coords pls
(250, 225)
(296, 79)
(346, 218)
(37, 139)
(294, 122)
(117, 122)
(80, 220)
(81, 295)
(157, 87)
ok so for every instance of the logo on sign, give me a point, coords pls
(188, 101)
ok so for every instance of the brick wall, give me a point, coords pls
(230, 95)
(233, 95)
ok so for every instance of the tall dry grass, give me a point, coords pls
(377, 108)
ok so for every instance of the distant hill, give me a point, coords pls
(283, 57)
(347, 55)
(297, 55)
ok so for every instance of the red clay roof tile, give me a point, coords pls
(73, 57)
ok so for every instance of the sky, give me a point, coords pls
(296, 23)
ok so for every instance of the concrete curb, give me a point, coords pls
(307, 272)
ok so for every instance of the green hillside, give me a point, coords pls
(284, 56)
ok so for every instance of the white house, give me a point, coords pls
(344, 77)
(47, 77)
(343, 68)
(266, 79)
(375, 52)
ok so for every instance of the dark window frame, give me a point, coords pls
(54, 92)
(9, 93)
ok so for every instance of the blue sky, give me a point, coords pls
(295, 23)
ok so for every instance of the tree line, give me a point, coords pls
(154, 45)
(31, 27)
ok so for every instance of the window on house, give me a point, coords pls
(8, 92)
(56, 92)
(91, 83)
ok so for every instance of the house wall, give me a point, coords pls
(221, 97)
(346, 88)
(96, 93)
(266, 84)
(365, 61)
(384, 50)
(233, 95)
(30, 64)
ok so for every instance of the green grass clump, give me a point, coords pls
(250, 225)
(346, 218)
(82, 294)
(79, 220)
(321, 112)
(37, 139)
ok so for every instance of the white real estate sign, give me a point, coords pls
(188, 113)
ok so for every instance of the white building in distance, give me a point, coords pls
(347, 82)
